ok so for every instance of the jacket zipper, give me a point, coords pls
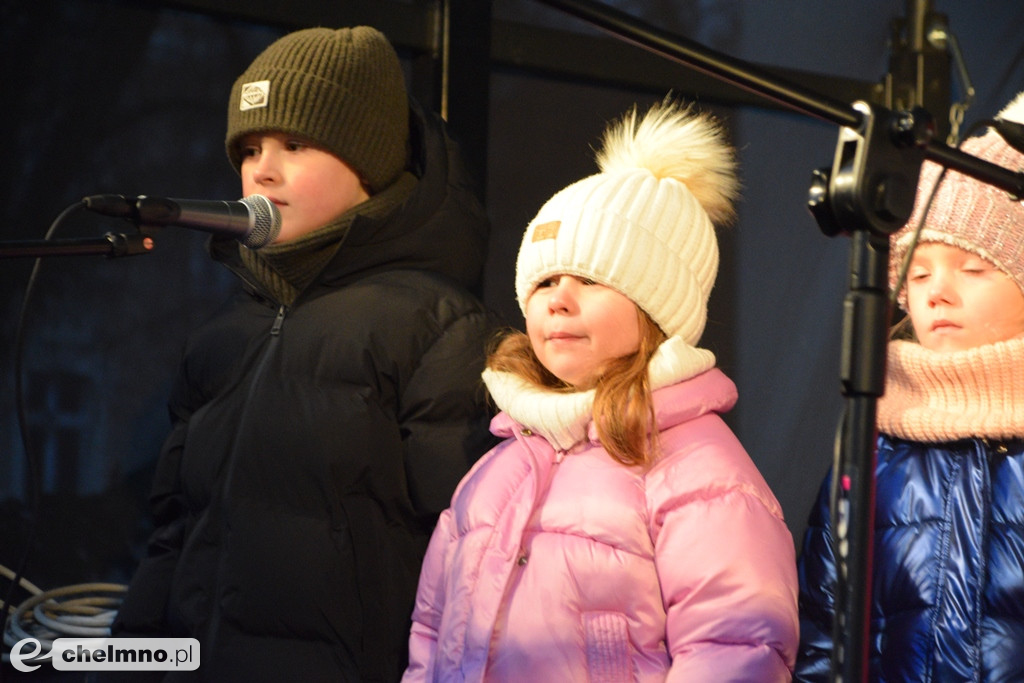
(278, 321)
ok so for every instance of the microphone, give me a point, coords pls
(254, 221)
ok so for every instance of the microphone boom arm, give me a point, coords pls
(111, 244)
(764, 84)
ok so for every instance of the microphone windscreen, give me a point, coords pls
(266, 221)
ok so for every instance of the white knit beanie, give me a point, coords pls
(643, 225)
(968, 213)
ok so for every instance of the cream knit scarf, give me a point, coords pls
(933, 397)
(563, 418)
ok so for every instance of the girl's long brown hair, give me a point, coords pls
(623, 407)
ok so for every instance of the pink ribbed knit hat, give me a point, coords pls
(968, 213)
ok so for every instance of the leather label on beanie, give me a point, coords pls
(546, 231)
(254, 95)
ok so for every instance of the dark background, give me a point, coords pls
(129, 97)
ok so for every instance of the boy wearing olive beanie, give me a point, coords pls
(322, 420)
(343, 90)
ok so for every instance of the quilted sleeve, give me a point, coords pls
(430, 601)
(726, 564)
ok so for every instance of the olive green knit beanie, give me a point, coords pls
(342, 89)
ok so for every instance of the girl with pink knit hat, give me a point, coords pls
(620, 532)
(948, 572)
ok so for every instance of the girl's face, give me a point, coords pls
(957, 300)
(310, 186)
(576, 326)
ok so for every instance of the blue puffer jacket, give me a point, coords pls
(949, 566)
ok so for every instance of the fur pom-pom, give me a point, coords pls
(675, 141)
(1014, 111)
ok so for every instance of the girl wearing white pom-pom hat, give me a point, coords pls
(620, 532)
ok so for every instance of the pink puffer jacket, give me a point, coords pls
(554, 566)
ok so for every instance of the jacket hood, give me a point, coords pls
(441, 227)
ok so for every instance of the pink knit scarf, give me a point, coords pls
(934, 397)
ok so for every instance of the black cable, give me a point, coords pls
(34, 485)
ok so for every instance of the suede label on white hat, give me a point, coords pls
(254, 95)
(546, 231)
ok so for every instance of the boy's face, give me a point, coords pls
(310, 186)
(958, 300)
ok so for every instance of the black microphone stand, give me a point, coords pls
(868, 194)
(110, 244)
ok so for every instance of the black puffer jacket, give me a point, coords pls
(314, 445)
